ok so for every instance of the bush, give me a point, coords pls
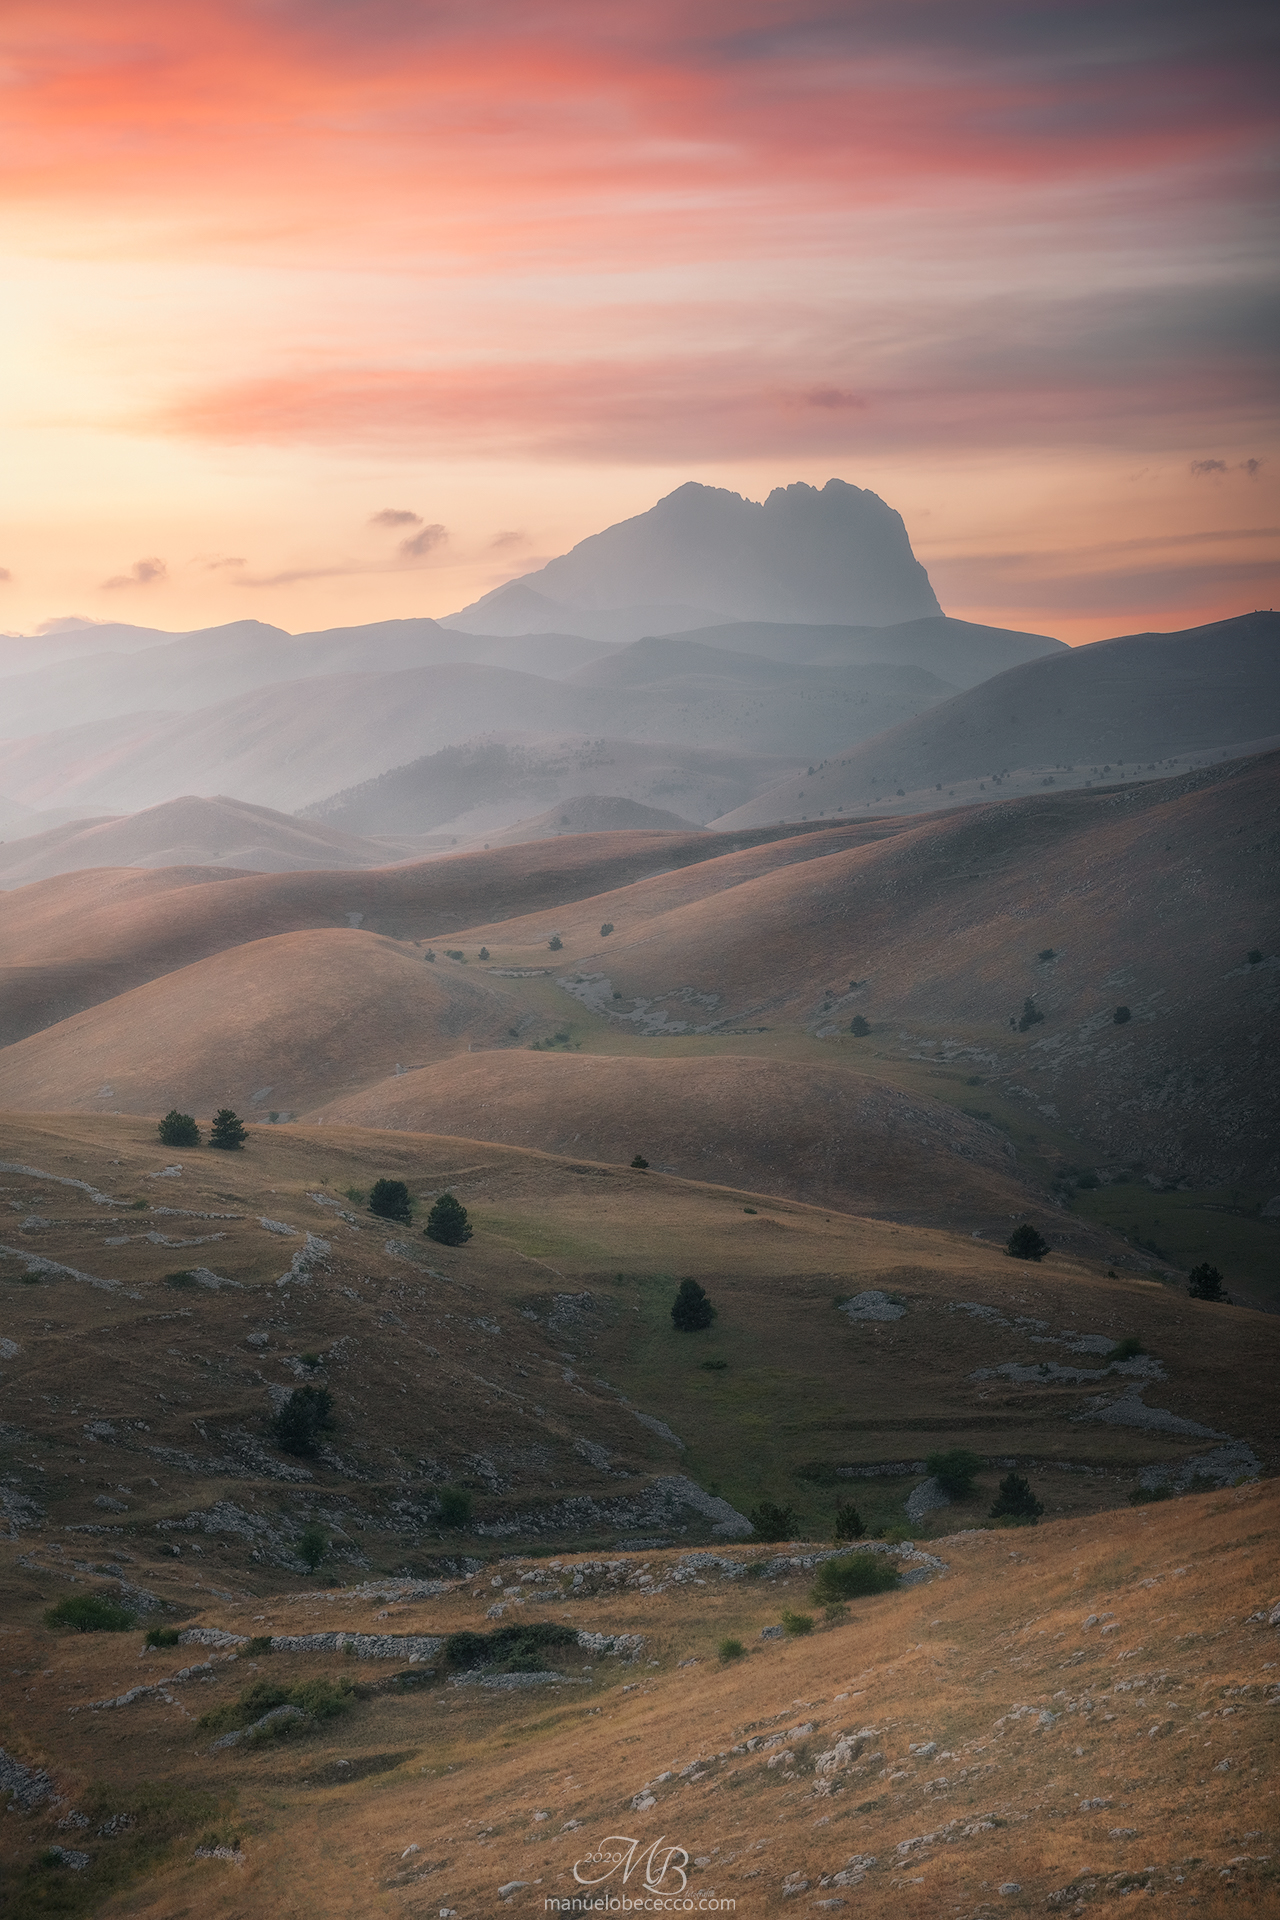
(860, 1026)
(1088, 1182)
(455, 1506)
(1046, 953)
(606, 929)
(483, 954)
(835, 1613)
(1128, 1349)
(305, 1415)
(731, 1649)
(311, 1360)
(161, 1637)
(691, 1311)
(1144, 1496)
(255, 1647)
(322, 1699)
(390, 1200)
(1015, 1501)
(1031, 1015)
(640, 1164)
(1205, 1283)
(772, 1522)
(1024, 1243)
(555, 943)
(179, 1129)
(1255, 956)
(1121, 1017)
(798, 1623)
(357, 1196)
(848, 1524)
(90, 1613)
(954, 1471)
(854, 1576)
(313, 1544)
(517, 1649)
(447, 1222)
(227, 1130)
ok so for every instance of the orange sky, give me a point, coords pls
(517, 270)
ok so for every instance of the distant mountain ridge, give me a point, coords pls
(805, 554)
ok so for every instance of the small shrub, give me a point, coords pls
(1128, 1349)
(750, 1209)
(848, 1522)
(322, 1699)
(555, 943)
(254, 1648)
(835, 1614)
(640, 1164)
(313, 1544)
(1144, 1496)
(90, 1613)
(1255, 956)
(161, 1637)
(184, 1280)
(454, 953)
(954, 1471)
(447, 1222)
(228, 1130)
(1121, 1017)
(798, 1623)
(311, 1360)
(178, 1129)
(483, 954)
(860, 1026)
(606, 929)
(714, 1366)
(357, 1196)
(772, 1522)
(1031, 1015)
(1205, 1283)
(691, 1311)
(1089, 1182)
(1015, 1501)
(731, 1649)
(1046, 953)
(455, 1506)
(389, 1199)
(1024, 1243)
(515, 1649)
(305, 1415)
(853, 1577)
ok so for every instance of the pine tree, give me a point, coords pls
(691, 1310)
(178, 1130)
(1205, 1283)
(1024, 1243)
(390, 1201)
(1015, 1501)
(304, 1416)
(227, 1130)
(447, 1222)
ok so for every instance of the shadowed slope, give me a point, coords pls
(823, 1134)
(1125, 703)
(1151, 898)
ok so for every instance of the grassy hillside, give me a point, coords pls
(1081, 1683)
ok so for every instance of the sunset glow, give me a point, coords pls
(282, 272)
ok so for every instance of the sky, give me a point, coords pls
(325, 311)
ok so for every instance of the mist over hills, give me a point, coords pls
(1126, 704)
(835, 554)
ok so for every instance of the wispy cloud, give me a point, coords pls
(6, 575)
(143, 573)
(419, 545)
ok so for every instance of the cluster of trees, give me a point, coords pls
(180, 1129)
(447, 1221)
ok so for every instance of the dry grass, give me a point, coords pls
(1143, 1718)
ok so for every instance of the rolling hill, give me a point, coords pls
(189, 832)
(1074, 717)
(959, 651)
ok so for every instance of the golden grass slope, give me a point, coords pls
(273, 1024)
(1060, 1719)
(82, 937)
